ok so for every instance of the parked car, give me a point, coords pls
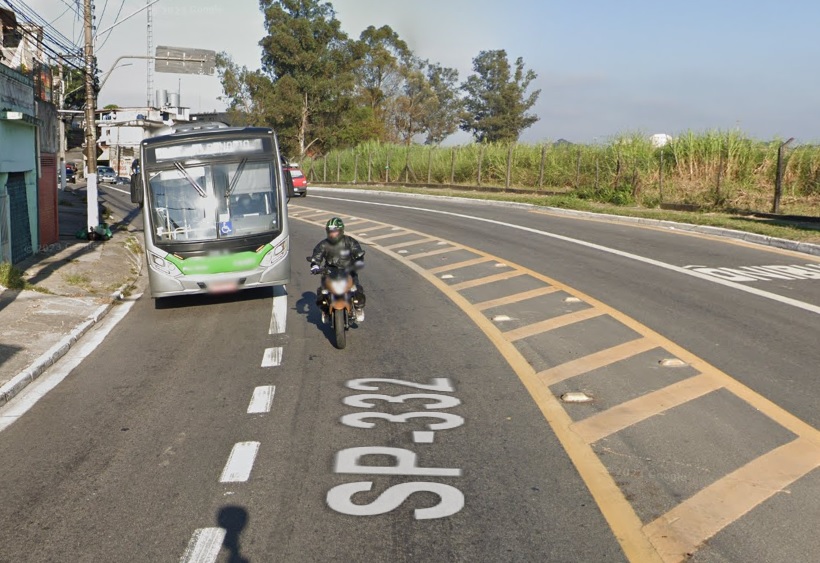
(106, 174)
(299, 182)
(70, 176)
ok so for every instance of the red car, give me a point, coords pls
(299, 182)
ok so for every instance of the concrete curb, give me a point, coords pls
(20, 381)
(784, 244)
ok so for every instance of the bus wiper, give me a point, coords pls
(235, 179)
(199, 189)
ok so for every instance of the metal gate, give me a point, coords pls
(20, 224)
(47, 199)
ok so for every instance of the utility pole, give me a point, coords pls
(61, 106)
(150, 35)
(90, 122)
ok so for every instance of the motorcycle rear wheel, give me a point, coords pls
(339, 326)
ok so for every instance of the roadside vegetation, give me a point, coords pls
(368, 109)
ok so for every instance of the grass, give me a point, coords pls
(718, 170)
(77, 279)
(11, 277)
(767, 227)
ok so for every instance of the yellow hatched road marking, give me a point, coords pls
(411, 243)
(367, 230)
(515, 298)
(357, 222)
(457, 265)
(684, 528)
(431, 253)
(489, 279)
(595, 361)
(391, 235)
(637, 410)
(552, 324)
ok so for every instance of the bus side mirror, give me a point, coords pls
(136, 189)
(288, 182)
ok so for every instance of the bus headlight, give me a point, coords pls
(162, 265)
(275, 254)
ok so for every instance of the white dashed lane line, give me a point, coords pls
(204, 546)
(279, 316)
(262, 400)
(240, 463)
(272, 358)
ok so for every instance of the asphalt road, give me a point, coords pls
(130, 457)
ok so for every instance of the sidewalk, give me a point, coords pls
(72, 285)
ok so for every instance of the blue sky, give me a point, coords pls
(604, 67)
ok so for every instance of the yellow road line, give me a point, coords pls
(411, 243)
(457, 265)
(552, 324)
(516, 298)
(390, 235)
(433, 253)
(595, 361)
(357, 222)
(637, 410)
(684, 528)
(369, 229)
(488, 279)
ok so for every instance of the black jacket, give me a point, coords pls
(341, 255)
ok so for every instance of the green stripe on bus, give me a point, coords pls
(236, 262)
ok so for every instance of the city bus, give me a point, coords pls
(214, 202)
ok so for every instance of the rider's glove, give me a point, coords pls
(315, 268)
(359, 264)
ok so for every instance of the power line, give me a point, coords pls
(102, 15)
(116, 19)
(58, 40)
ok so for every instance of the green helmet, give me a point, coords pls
(335, 225)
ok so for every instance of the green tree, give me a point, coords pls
(380, 75)
(496, 102)
(442, 119)
(415, 103)
(310, 61)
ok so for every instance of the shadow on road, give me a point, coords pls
(307, 306)
(233, 519)
(204, 300)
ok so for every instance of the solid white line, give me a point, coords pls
(204, 546)
(752, 290)
(20, 404)
(279, 315)
(116, 189)
(240, 462)
(272, 358)
(262, 399)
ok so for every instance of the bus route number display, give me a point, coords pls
(209, 149)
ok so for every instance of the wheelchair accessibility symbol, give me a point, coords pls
(226, 227)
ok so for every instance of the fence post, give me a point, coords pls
(778, 184)
(578, 170)
(430, 166)
(324, 169)
(597, 170)
(369, 165)
(660, 178)
(453, 167)
(541, 169)
(719, 174)
(387, 170)
(480, 162)
(356, 169)
(508, 180)
(338, 167)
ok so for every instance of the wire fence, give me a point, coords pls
(710, 171)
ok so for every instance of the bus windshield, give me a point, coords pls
(213, 201)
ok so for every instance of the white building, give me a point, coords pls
(122, 130)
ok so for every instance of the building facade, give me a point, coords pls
(19, 221)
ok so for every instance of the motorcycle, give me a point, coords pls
(338, 295)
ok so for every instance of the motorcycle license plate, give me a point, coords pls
(223, 287)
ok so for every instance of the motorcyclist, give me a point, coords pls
(340, 251)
